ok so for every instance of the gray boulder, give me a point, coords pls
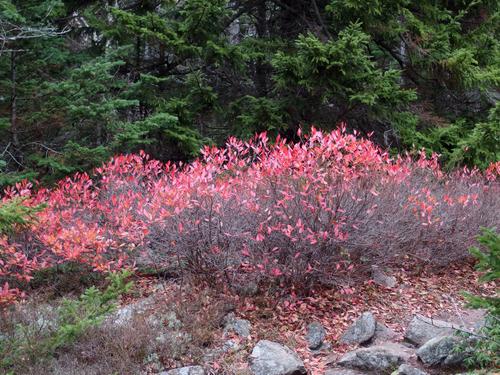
(405, 369)
(241, 327)
(271, 358)
(383, 334)
(441, 351)
(361, 331)
(189, 370)
(421, 329)
(379, 358)
(315, 335)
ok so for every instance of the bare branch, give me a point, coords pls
(14, 158)
(6, 149)
(44, 147)
(10, 32)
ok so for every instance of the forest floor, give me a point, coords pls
(169, 323)
(284, 319)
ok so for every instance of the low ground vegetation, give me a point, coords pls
(32, 335)
(171, 324)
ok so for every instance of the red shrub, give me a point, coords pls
(253, 210)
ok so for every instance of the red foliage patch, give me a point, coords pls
(320, 209)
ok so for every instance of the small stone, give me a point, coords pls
(383, 279)
(405, 369)
(230, 346)
(421, 329)
(241, 327)
(189, 370)
(361, 331)
(271, 358)
(343, 371)
(315, 335)
(249, 289)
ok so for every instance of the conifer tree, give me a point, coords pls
(80, 81)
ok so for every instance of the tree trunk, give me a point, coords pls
(261, 69)
(13, 100)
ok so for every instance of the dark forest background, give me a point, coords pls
(83, 80)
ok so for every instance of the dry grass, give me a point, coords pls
(176, 328)
(110, 349)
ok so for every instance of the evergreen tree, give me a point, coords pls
(80, 81)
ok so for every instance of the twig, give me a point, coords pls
(44, 146)
(13, 158)
(456, 309)
(6, 148)
(21, 32)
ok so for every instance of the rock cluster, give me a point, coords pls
(428, 343)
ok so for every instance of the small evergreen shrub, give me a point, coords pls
(35, 339)
(486, 348)
(13, 213)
